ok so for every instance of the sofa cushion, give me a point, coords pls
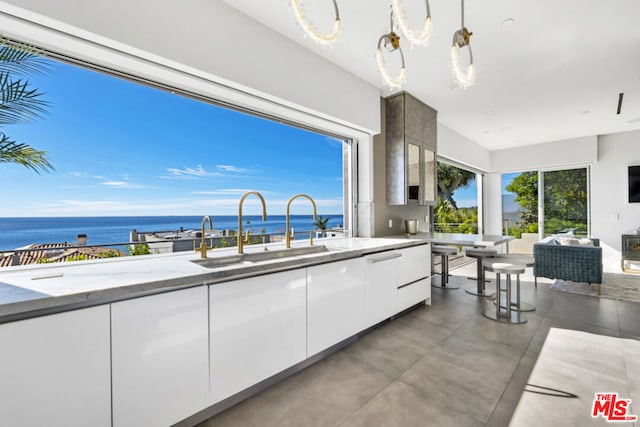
(585, 242)
(549, 240)
(569, 241)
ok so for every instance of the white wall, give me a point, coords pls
(611, 213)
(577, 151)
(453, 146)
(212, 37)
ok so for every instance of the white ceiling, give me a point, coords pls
(555, 73)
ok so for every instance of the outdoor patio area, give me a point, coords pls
(440, 365)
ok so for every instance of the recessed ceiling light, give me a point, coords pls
(585, 112)
(505, 128)
(488, 113)
(508, 22)
(486, 132)
(636, 120)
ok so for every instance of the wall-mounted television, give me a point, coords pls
(634, 184)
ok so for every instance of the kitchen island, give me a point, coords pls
(166, 339)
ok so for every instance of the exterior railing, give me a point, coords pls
(452, 227)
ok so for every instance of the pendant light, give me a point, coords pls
(391, 42)
(310, 30)
(465, 76)
(417, 37)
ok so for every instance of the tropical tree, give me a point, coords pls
(450, 178)
(20, 103)
(525, 186)
(321, 224)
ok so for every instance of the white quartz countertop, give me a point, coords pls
(27, 291)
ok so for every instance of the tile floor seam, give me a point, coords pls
(624, 358)
(345, 419)
(511, 378)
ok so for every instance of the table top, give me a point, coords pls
(469, 239)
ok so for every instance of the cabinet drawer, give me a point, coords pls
(415, 264)
(414, 293)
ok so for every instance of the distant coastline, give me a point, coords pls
(17, 232)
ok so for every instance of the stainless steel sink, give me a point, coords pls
(256, 257)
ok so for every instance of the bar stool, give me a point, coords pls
(479, 254)
(501, 266)
(444, 252)
(527, 261)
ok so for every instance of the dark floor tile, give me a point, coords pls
(401, 405)
(322, 395)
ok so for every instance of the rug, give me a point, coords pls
(624, 287)
(571, 368)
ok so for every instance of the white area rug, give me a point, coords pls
(572, 367)
(617, 286)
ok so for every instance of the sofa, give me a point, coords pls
(567, 258)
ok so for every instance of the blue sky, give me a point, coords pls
(467, 197)
(121, 148)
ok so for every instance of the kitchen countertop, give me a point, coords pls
(459, 238)
(36, 290)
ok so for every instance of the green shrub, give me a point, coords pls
(139, 249)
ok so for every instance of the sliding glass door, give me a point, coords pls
(565, 203)
(540, 203)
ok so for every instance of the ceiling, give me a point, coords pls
(554, 73)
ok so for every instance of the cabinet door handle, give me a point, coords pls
(384, 258)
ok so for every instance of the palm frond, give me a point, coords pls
(18, 102)
(21, 59)
(22, 154)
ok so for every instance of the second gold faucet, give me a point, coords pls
(288, 235)
(264, 216)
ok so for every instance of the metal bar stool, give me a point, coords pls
(479, 254)
(503, 313)
(527, 261)
(444, 252)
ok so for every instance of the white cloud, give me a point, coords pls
(120, 184)
(231, 168)
(198, 171)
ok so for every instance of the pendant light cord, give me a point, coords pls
(462, 12)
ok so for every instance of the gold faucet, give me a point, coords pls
(287, 234)
(203, 245)
(264, 216)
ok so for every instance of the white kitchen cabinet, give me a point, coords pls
(414, 282)
(382, 285)
(54, 370)
(415, 264)
(160, 362)
(336, 303)
(258, 328)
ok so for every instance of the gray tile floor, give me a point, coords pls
(439, 365)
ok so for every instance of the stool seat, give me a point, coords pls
(480, 252)
(497, 265)
(444, 250)
(526, 260)
(503, 266)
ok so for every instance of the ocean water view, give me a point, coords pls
(19, 232)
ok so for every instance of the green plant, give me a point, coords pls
(79, 257)
(139, 249)
(321, 224)
(224, 243)
(111, 253)
(20, 103)
(43, 260)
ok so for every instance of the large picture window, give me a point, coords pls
(131, 155)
